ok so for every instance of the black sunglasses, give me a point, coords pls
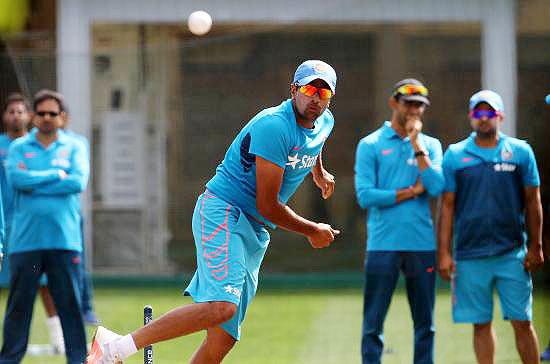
(52, 114)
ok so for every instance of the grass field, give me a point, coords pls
(298, 327)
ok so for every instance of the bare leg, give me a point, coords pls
(214, 348)
(183, 321)
(526, 342)
(484, 343)
(47, 300)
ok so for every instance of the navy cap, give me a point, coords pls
(314, 69)
(489, 97)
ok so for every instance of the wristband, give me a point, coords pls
(419, 153)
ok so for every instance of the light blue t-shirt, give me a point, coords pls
(385, 163)
(274, 135)
(46, 207)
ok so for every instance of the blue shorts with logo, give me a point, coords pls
(474, 283)
(230, 248)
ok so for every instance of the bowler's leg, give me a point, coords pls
(214, 348)
(526, 341)
(183, 321)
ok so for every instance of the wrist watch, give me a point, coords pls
(420, 153)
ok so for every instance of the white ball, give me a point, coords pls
(199, 22)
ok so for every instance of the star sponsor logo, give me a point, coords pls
(305, 161)
(505, 167)
(232, 290)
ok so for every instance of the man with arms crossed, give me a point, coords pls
(48, 171)
(397, 171)
(491, 192)
(263, 167)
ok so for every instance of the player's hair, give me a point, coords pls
(16, 97)
(45, 94)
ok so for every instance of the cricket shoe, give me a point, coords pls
(102, 348)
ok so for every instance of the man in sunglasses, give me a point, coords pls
(48, 171)
(397, 171)
(16, 118)
(261, 170)
(491, 193)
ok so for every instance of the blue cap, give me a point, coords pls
(490, 97)
(312, 70)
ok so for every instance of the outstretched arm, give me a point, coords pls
(269, 177)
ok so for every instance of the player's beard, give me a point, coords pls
(487, 134)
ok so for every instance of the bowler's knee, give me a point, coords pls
(221, 312)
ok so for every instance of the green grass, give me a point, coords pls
(302, 327)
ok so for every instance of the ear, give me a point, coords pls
(393, 103)
(293, 90)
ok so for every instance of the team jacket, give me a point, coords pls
(385, 163)
(489, 183)
(46, 207)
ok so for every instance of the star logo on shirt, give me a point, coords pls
(293, 160)
(232, 290)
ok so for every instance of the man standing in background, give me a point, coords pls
(48, 171)
(491, 193)
(16, 117)
(397, 171)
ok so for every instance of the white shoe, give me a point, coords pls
(101, 352)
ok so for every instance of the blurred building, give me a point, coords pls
(161, 105)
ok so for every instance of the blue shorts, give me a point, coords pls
(230, 248)
(474, 283)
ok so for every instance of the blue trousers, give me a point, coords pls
(382, 269)
(62, 268)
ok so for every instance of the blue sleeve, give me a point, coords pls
(365, 179)
(529, 170)
(270, 140)
(432, 177)
(77, 176)
(449, 172)
(23, 179)
(2, 227)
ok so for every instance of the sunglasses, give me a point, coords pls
(309, 90)
(478, 114)
(52, 114)
(408, 90)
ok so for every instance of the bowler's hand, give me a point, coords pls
(325, 182)
(446, 266)
(323, 235)
(534, 259)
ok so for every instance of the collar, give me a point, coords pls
(388, 132)
(62, 137)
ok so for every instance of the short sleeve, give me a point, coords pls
(529, 170)
(449, 172)
(270, 139)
